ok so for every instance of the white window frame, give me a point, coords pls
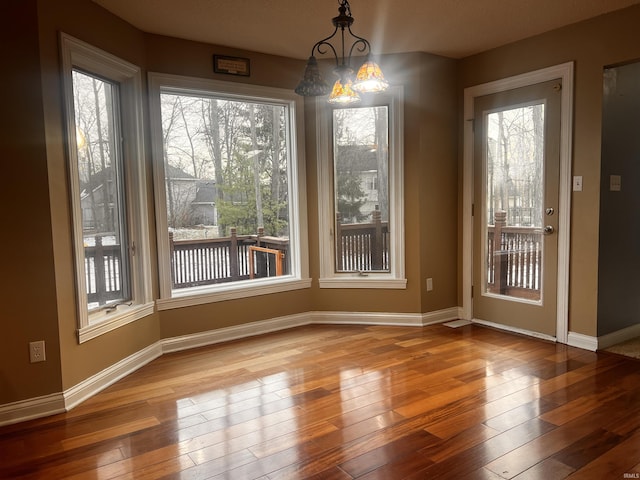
(298, 241)
(78, 54)
(395, 278)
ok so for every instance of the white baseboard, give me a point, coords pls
(101, 380)
(521, 331)
(574, 339)
(282, 323)
(619, 336)
(64, 401)
(226, 334)
(441, 316)
(367, 318)
(60, 402)
(31, 408)
(582, 341)
(385, 318)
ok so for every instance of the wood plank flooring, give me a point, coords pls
(345, 402)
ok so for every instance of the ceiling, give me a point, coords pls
(453, 28)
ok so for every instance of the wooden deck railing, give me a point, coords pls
(513, 262)
(514, 259)
(227, 259)
(103, 267)
(362, 246)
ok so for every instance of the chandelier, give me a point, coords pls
(347, 88)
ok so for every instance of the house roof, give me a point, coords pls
(205, 192)
(361, 158)
(97, 179)
(177, 173)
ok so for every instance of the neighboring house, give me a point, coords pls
(361, 161)
(204, 204)
(96, 200)
(369, 185)
(191, 201)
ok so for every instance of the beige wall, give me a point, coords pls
(88, 22)
(38, 292)
(37, 289)
(592, 44)
(431, 154)
(27, 284)
(430, 199)
(436, 178)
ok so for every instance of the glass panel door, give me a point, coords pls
(515, 201)
(516, 170)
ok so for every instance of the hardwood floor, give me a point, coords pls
(343, 402)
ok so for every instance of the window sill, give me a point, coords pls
(220, 293)
(363, 282)
(102, 322)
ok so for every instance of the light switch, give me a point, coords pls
(615, 183)
(577, 183)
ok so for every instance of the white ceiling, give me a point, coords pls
(453, 28)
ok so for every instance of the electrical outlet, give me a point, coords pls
(429, 284)
(36, 351)
(615, 183)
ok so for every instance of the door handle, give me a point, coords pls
(548, 230)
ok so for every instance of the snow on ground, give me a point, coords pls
(198, 233)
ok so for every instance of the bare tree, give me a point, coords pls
(169, 119)
(256, 153)
(515, 164)
(211, 118)
(275, 156)
(382, 159)
(240, 145)
(93, 104)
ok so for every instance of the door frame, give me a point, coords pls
(565, 73)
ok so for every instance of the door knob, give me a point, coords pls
(548, 230)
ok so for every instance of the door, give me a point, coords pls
(515, 222)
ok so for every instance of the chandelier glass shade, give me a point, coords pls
(343, 93)
(370, 78)
(346, 90)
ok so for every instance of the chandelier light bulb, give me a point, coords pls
(343, 93)
(369, 78)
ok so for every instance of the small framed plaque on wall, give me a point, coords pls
(231, 65)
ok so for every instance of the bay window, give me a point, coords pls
(230, 206)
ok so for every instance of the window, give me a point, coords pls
(100, 176)
(103, 106)
(361, 189)
(230, 207)
(360, 173)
